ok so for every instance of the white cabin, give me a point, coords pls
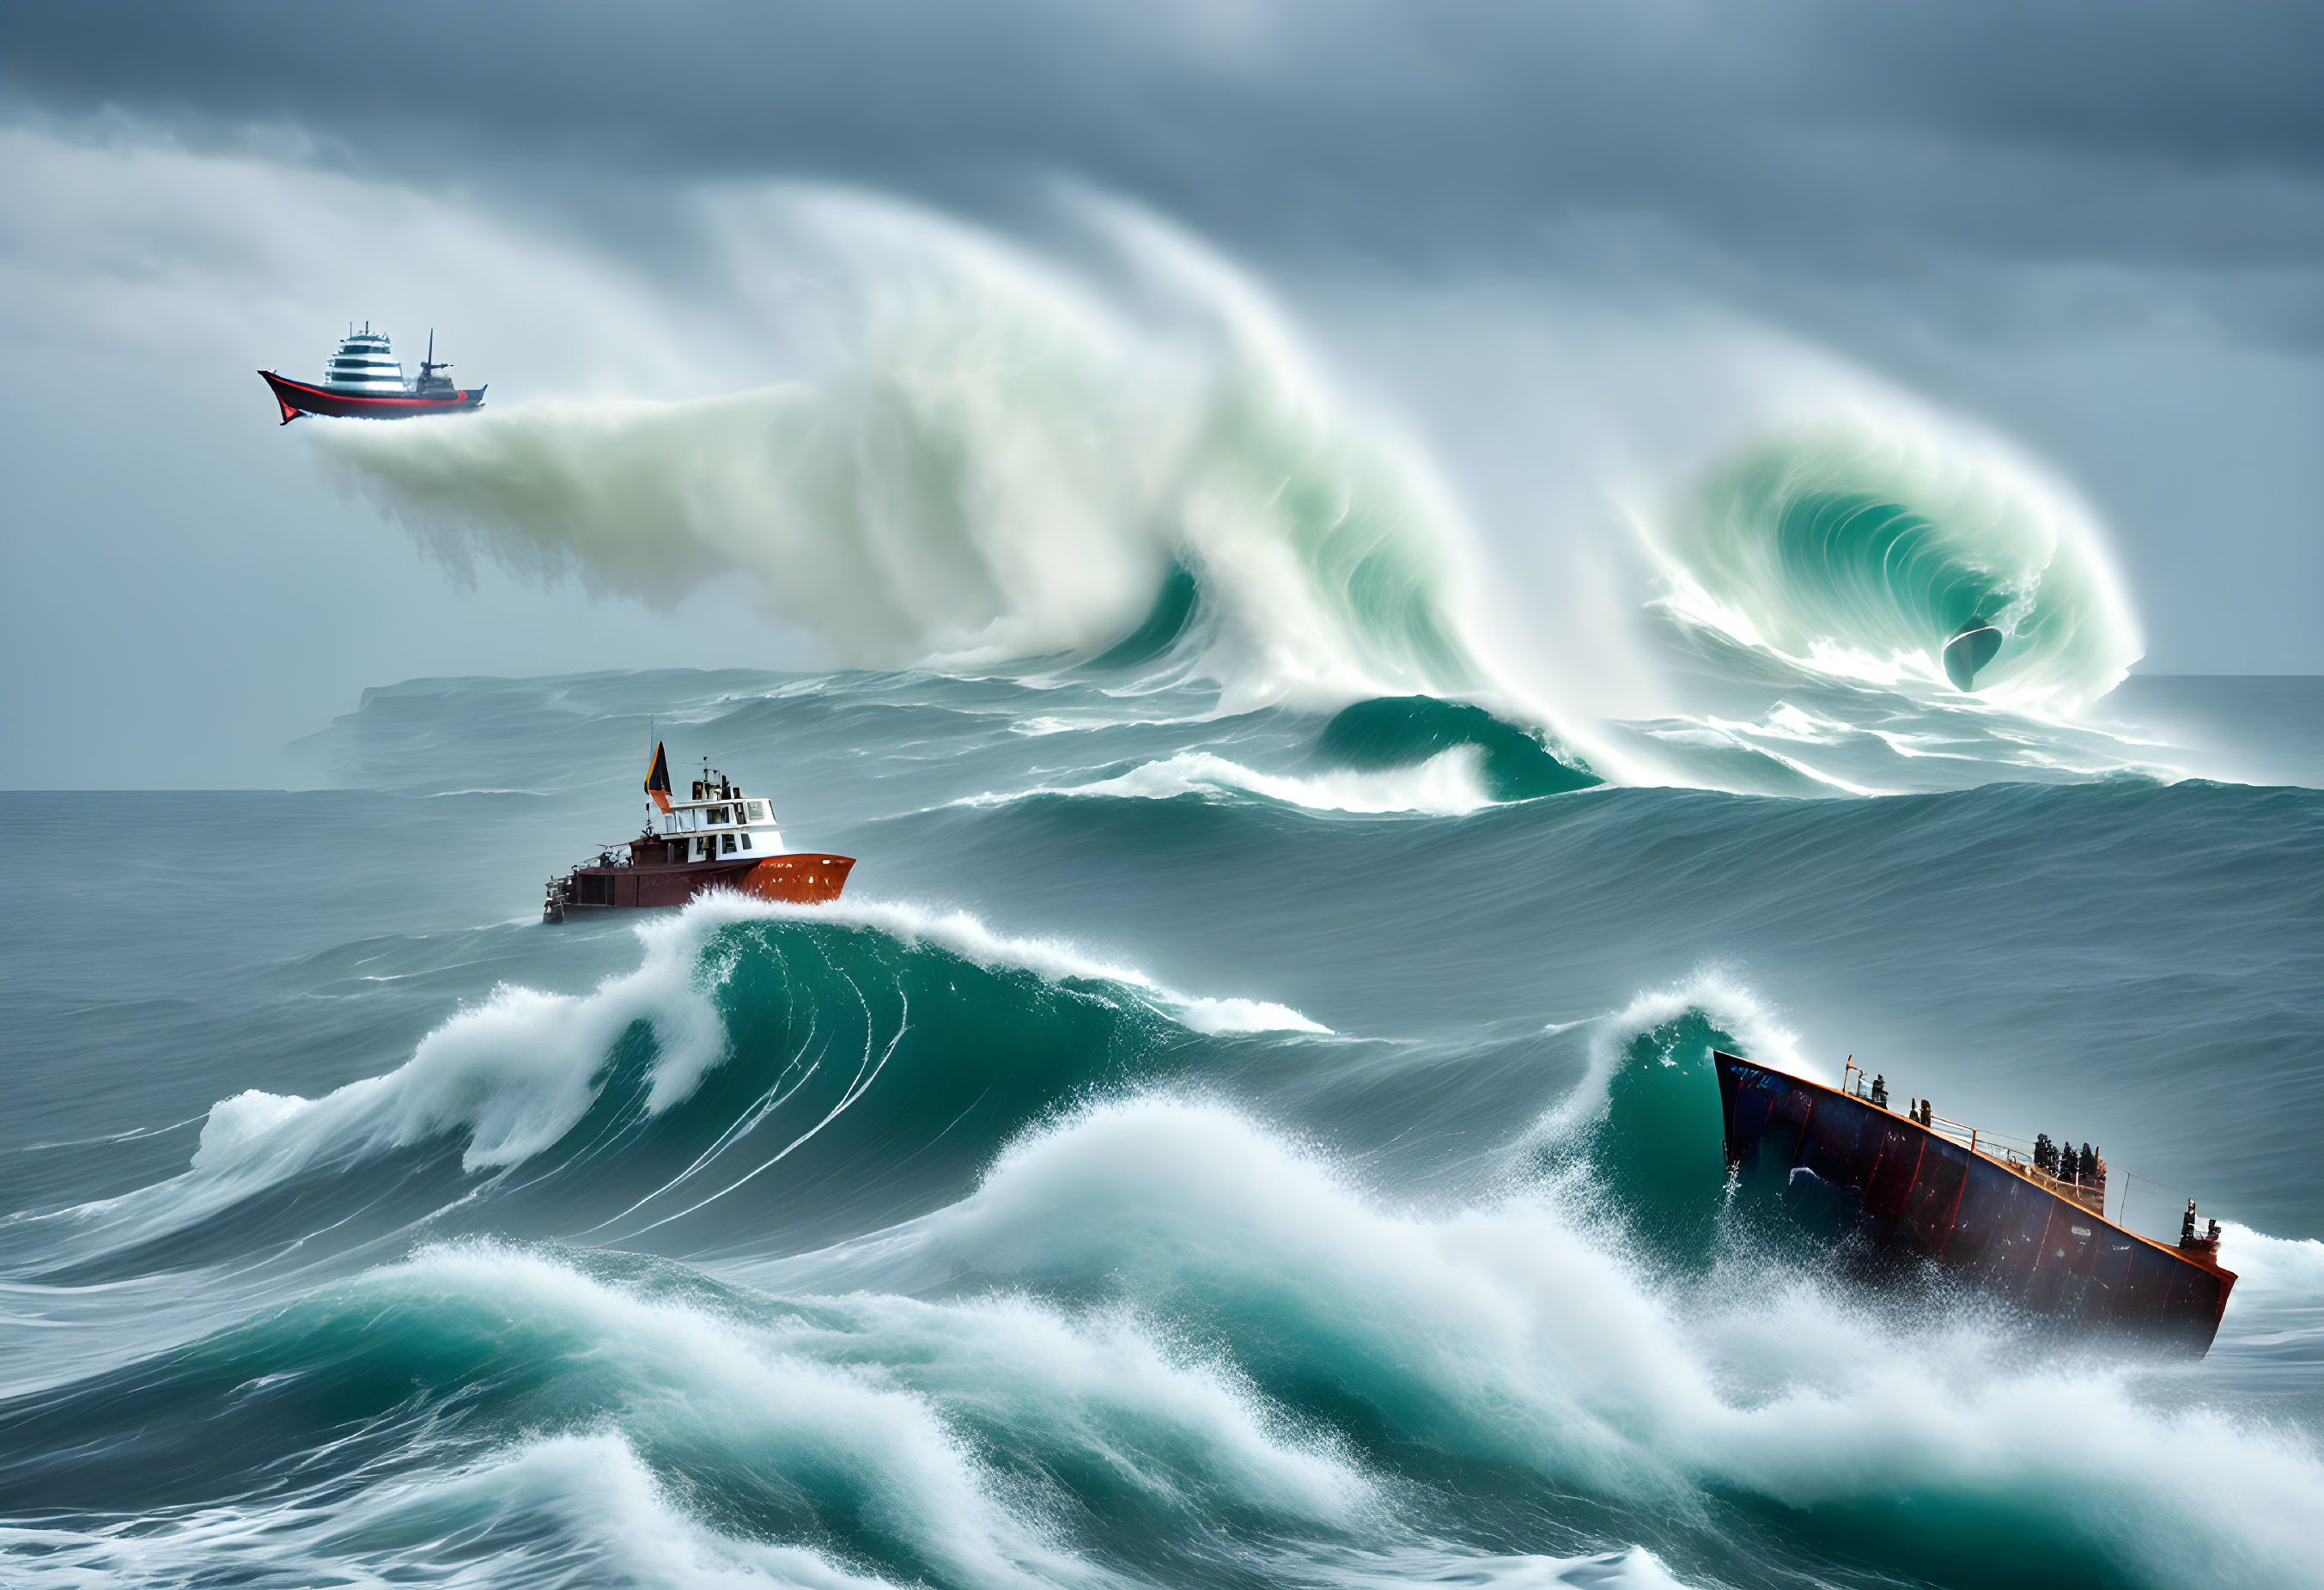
(721, 823)
(364, 365)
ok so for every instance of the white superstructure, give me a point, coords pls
(721, 822)
(365, 365)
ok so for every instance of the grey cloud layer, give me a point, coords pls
(2097, 228)
(1819, 137)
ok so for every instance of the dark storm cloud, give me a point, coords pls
(2096, 229)
(1820, 137)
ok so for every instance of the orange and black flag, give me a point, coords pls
(657, 778)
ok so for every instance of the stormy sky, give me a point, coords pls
(2097, 230)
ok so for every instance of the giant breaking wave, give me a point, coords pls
(988, 460)
(1903, 553)
(992, 459)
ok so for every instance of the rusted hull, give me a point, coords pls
(796, 880)
(1902, 1184)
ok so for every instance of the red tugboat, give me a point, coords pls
(720, 839)
(2031, 1226)
(364, 382)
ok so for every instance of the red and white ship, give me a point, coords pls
(720, 839)
(363, 380)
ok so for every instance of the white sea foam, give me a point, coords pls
(580, 1507)
(1854, 545)
(681, 1374)
(868, 1386)
(927, 442)
(864, 1410)
(1446, 785)
(1512, 1333)
(2278, 1304)
(1631, 1568)
(512, 1075)
(967, 936)
(574, 1509)
(995, 457)
(1728, 1003)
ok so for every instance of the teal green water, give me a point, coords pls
(1217, 1141)
(1860, 551)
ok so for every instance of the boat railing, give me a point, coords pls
(2016, 1154)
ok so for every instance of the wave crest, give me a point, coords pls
(998, 461)
(1903, 554)
(758, 1048)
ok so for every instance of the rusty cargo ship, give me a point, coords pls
(721, 839)
(1917, 1183)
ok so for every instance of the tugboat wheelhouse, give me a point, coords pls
(721, 839)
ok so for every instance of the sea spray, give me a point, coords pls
(1444, 785)
(999, 461)
(1522, 1333)
(1641, 1136)
(757, 1047)
(956, 1443)
(1903, 550)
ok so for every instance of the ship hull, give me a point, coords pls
(792, 879)
(297, 397)
(1907, 1187)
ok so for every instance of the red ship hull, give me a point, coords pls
(295, 398)
(1906, 1185)
(796, 880)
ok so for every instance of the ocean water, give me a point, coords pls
(1266, 1146)
(1249, 1121)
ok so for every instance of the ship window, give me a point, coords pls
(718, 814)
(758, 811)
(746, 841)
(730, 844)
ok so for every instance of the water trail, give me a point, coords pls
(999, 459)
(924, 441)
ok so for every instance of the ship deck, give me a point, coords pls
(1957, 1195)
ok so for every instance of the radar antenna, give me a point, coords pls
(429, 367)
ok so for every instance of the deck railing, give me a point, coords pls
(2014, 1153)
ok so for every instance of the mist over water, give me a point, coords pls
(1009, 458)
(1251, 1120)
